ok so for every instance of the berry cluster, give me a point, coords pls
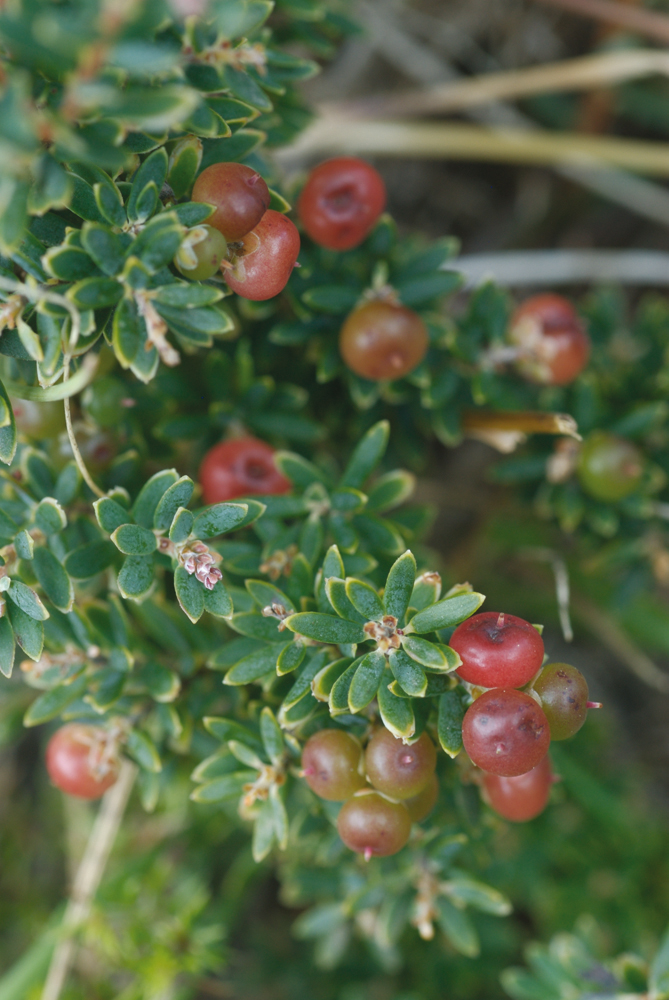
(506, 732)
(384, 789)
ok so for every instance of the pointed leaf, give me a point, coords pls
(290, 658)
(365, 682)
(144, 507)
(218, 601)
(399, 586)
(133, 540)
(397, 713)
(176, 496)
(367, 455)
(190, 593)
(338, 700)
(219, 519)
(142, 748)
(53, 579)
(325, 628)
(7, 647)
(27, 600)
(452, 708)
(450, 611)
(272, 736)
(53, 702)
(408, 674)
(339, 599)
(364, 599)
(254, 666)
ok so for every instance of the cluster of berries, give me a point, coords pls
(384, 788)
(506, 732)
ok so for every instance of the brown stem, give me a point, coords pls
(636, 19)
(524, 422)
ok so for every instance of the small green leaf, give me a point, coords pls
(265, 595)
(658, 980)
(7, 647)
(364, 599)
(182, 525)
(142, 748)
(338, 698)
(228, 729)
(339, 599)
(399, 586)
(219, 519)
(26, 599)
(218, 601)
(426, 591)
(263, 832)
(144, 507)
(53, 579)
(237, 18)
(253, 667)
(390, 490)
(290, 658)
(325, 628)
(458, 928)
(224, 788)
(95, 293)
(133, 540)
(271, 736)
(365, 681)
(470, 892)
(106, 248)
(7, 431)
(89, 560)
(396, 713)
(135, 578)
(162, 684)
(380, 534)
(300, 472)
(110, 514)
(450, 611)
(322, 683)
(53, 702)
(367, 455)
(333, 299)
(50, 516)
(452, 710)
(24, 545)
(190, 593)
(429, 654)
(152, 171)
(108, 690)
(408, 674)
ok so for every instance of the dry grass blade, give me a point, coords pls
(523, 421)
(636, 19)
(565, 267)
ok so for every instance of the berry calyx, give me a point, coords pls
(239, 195)
(609, 467)
(383, 340)
(521, 797)
(82, 760)
(554, 345)
(331, 761)
(341, 201)
(398, 769)
(563, 691)
(497, 650)
(201, 252)
(373, 825)
(263, 261)
(420, 806)
(240, 467)
(505, 732)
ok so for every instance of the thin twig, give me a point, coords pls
(564, 267)
(561, 575)
(586, 72)
(88, 877)
(459, 141)
(637, 19)
(78, 457)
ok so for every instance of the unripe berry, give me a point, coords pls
(398, 769)
(201, 253)
(609, 467)
(370, 824)
(331, 761)
(563, 691)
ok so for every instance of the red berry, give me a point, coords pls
(609, 467)
(505, 732)
(331, 760)
(398, 769)
(240, 467)
(81, 760)
(555, 345)
(382, 340)
(497, 650)
(420, 806)
(265, 259)
(341, 201)
(523, 796)
(239, 195)
(371, 824)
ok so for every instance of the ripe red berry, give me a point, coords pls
(398, 769)
(81, 760)
(239, 195)
(555, 346)
(523, 796)
(563, 691)
(505, 732)
(240, 467)
(420, 806)
(201, 253)
(381, 340)
(609, 467)
(370, 824)
(265, 258)
(331, 762)
(497, 650)
(341, 201)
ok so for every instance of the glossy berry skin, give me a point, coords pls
(209, 253)
(38, 420)
(556, 345)
(240, 467)
(505, 732)
(564, 698)
(341, 201)
(239, 195)
(522, 797)
(331, 760)
(497, 650)
(382, 341)
(397, 769)
(372, 825)
(77, 763)
(265, 259)
(420, 806)
(609, 467)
